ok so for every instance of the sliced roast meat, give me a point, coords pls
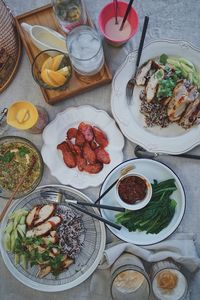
(67, 262)
(193, 94)
(32, 215)
(191, 114)
(49, 239)
(152, 85)
(142, 73)
(43, 271)
(40, 230)
(44, 213)
(178, 103)
(55, 221)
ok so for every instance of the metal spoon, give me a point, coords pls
(142, 153)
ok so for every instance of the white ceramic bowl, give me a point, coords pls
(140, 203)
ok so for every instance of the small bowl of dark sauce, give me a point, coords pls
(134, 191)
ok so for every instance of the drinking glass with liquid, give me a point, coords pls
(70, 13)
(85, 50)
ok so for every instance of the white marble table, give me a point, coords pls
(168, 19)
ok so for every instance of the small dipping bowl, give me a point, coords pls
(39, 62)
(128, 190)
(107, 14)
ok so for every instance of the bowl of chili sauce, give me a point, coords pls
(133, 191)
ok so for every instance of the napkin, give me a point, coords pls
(181, 249)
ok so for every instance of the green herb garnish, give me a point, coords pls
(7, 157)
(156, 215)
(163, 59)
(23, 151)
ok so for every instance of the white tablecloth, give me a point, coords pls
(168, 19)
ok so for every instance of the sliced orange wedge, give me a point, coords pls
(56, 77)
(52, 78)
(47, 64)
(65, 71)
(56, 62)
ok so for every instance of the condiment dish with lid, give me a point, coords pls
(133, 191)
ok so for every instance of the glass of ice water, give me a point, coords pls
(85, 50)
(70, 13)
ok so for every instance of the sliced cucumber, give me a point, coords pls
(186, 63)
(22, 220)
(9, 227)
(7, 242)
(13, 237)
(21, 229)
(23, 261)
(17, 259)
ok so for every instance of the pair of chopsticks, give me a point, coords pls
(126, 13)
(77, 205)
(17, 188)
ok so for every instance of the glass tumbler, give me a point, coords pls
(85, 50)
(70, 13)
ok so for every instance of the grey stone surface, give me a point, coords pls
(168, 19)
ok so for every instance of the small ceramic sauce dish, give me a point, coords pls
(133, 191)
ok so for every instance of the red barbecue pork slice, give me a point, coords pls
(45, 212)
(32, 215)
(81, 162)
(87, 131)
(80, 139)
(68, 156)
(71, 133)
(93, 168)
(88, 153)
(77, 149)
(93, 145)
(102, 155)
(100, 137)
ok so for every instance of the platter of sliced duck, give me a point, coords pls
(48, 245)
(164, 114)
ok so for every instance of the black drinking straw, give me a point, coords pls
(116, 9)
(126, 14)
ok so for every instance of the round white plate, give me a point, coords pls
(55, 133)
(152, 170)
(85, 263)
(173, 139)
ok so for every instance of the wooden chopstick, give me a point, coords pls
(16, 189)
(96, 216)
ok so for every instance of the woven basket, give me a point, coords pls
(10, 46)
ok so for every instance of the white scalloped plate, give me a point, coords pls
(55, 133)
(173, 139)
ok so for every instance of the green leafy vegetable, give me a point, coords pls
(163, 59)
(23, 151)
(7, 157)
(156, 215)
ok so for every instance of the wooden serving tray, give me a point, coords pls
(45, 16)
